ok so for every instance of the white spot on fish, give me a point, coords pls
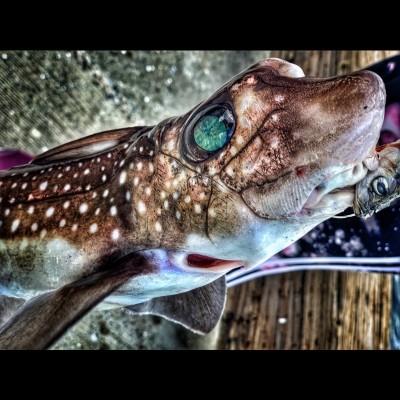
(115, 234)
(233, 150)
(122, 178)
(126, 146)
(97, 211)
(83, 208)
(94, 195)
(43, 185)
(202, 195)
(141, 207)
(43, 233)
(178, 215)
(67, 187)
(105, 193)
(12, 200)
(158, 211)
(187, 199)
(197, 208)
(163, 195)
(15, 225)
(239, 139)
(109, 155)
(168, 184)
(282, 320)
(128, 195)
(31, 209)
(75, 175)
(139, 166)
(49, 212)
(88, 187)
(74, 227)
(66, 204)
(24, 185)
(113, 211)
(103, 168)
(151, 153)
(24, 175)
(80, 165)
(122, 163)
(93, 228)
(98, 159)
(34, 227)
(151, 168)
(34, 178)
(59, 175)
(158, 227)
(55, 188)
(147, 191)
(166, 204)
(68, 168)
(104, 178)
(86, 171)
(14, 185)
(212, 212)
(62, 223)
(6, 212)
(136, 181)
(141, 149)
(279, 98)
(131, 165)
(229, 171)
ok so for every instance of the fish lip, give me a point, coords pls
(186, 262)
(356, 174)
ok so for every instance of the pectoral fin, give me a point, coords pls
(198, 310)
(44, 319)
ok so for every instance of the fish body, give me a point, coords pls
(235, 180)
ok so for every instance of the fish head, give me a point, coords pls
(272, 154)
(382, 184)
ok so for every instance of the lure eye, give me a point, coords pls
(381, 186)
(208, 132)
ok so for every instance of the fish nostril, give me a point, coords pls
(365, 107)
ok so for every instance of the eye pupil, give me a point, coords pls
(210, 133)
(380, 186)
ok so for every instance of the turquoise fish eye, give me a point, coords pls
(207, 132)
(211, 133)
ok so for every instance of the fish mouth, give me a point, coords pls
(335, 193)
(193, 262)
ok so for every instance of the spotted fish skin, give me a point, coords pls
(79, 207)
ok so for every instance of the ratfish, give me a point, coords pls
(151, 218)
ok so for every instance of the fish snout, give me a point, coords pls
(341, 118)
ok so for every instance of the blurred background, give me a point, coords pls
(51, 97)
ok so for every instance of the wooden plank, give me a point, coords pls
(314, 309)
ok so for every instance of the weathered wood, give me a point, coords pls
(315, 309)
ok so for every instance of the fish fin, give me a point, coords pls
(87, 146)
(198, 310)
(8, 307)
(42, 320)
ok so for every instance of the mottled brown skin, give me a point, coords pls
(141, 190)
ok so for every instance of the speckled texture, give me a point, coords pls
(50, 98)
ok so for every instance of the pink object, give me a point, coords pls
(11, 158)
